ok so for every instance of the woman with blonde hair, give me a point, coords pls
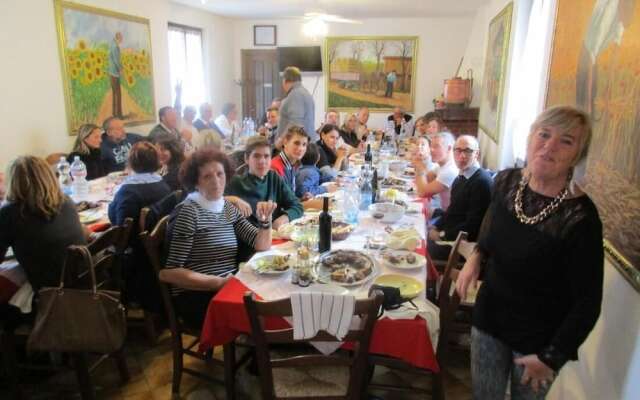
(37, 221)
(540, 246)
(348, 131)
(87, 147)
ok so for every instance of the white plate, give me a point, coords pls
(255, 263)
(325, 275)
(90, 216)
(403, 265)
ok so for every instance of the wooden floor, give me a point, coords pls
(151, 373)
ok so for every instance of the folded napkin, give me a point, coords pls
(316, 311)
(23, 298)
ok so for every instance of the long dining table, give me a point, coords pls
(408, 334)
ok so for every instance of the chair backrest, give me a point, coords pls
(153, 243)
(258, 310)
(150, 215)
(448, 299)
(106, 253)
(53, 158)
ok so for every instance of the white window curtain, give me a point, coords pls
(528, 88)
(186, 64)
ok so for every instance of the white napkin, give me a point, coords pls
(23, 298)
(316, 311)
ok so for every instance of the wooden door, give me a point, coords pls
(260, 81)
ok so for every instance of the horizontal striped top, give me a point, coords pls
(206, 242)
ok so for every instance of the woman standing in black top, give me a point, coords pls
(541, 246)
(170, 155)
(87, 147)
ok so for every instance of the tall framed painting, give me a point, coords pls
(373, 71)
(595, 66)
(107, 67)
(495, 65)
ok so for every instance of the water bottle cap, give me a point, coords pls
(76, 158)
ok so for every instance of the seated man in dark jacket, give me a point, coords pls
(470, 197)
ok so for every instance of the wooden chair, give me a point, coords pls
(53, 158)
(103, 254)
(153, 243)
(149, 216)
(448, 302)
(356, 364)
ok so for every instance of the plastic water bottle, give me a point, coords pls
(79, 186)
(350, 203)
(366, 191)
(252, 127)
(64, 179)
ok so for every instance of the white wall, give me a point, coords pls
(609, 360)
(33, 110)
(474, 58)
(442, 42)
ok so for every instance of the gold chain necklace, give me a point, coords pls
(544, 213)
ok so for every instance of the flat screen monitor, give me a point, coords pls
(307, 58)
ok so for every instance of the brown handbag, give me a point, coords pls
(79, 320)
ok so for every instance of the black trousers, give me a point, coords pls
(192, 306)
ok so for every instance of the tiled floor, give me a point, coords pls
(151, 373)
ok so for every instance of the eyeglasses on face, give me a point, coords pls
(467, 152)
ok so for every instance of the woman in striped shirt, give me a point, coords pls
(204, 234)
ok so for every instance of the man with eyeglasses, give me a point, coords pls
(470, 197)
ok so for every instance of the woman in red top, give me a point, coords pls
(287, 161)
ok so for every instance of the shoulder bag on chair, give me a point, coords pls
(79, 320)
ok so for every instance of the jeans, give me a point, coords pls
(491, 367)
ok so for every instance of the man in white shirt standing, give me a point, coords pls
(226, 122)
(437, 183)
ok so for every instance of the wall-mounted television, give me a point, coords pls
(307, 58)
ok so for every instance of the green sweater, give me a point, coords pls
(252, 189)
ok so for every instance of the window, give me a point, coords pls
(186, 64)
(527, 92)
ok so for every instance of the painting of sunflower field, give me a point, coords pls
(106, 65)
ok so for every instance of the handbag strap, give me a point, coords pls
(84, 254)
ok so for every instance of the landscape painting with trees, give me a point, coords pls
(376, 71)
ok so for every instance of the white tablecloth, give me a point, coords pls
(272, 287)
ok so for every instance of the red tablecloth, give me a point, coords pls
(404, 339)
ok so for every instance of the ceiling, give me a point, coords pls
(355, 9)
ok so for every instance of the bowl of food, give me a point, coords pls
(340, 230)
(387, 213)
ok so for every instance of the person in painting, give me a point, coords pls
(115, 71)
(391, 80)
(606, 26)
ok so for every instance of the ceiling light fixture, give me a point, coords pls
(315, 27)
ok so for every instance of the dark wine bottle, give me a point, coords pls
(374, 186)
(368, 157)
(324, 237)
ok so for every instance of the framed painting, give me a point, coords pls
(495, 65)
(107, 67)
(376, 71)
(595, 66)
